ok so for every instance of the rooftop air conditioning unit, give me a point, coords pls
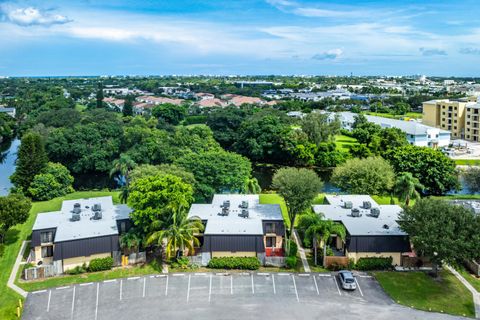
(348, 205)
(367, 205)
(375, 212)
(224, 213)
(226, 204)
(97, 207)
(97, 215)
(75, 216)
(244, 213)
(356, 212)
(244, 205)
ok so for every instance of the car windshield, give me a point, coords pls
(349, 280)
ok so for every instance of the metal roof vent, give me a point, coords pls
(375, 212)
(367, 205)
(97, 207)
(386, 226)
(244, 205)
(76, 212)
(226, 204)
(225, 212)
(356, 213)
(244, 213)
(348, 205)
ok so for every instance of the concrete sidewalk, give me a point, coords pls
(11, 280)
(476, 295)
(306, 267)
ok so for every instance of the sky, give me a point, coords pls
(248, 37)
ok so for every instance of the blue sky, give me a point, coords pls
(124, 37)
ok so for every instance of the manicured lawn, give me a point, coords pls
(386, 200)
(15, 236)
(343, 143)
(419, 290)
(473, 280)
(460, 197)
(467, 162)
(80, 107)
(413, 115)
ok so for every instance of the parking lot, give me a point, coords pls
(219, 296)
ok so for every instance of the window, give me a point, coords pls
(123, 227)
(46, 237)
(47, 251)
(270, 241)
(270, 228)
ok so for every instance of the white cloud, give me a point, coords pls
(332, 54)
(432, 52)
(472, 51)
(31, 16)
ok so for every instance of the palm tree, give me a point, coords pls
(179, 234)
(319, 229)
(252, 186)
(123, 166)
(406, 187)
(131, 241)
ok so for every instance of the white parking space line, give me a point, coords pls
(133, 278)
(231, 284)
(144, 285)
(304, 275)
(86, 284)
(364, 276)
(96, 303)
(109, 281)
(121, 289)
(73, 302)
(210, 289)
(324, 275)
(253, 287)
(178, 274)
(159, 276)
(200, 274)
(244, 273)
(188, 289)
(338, 288)
(48, 303)
(166, 287)
(63, 288)
(359, 288)
(263, 274)
(295, 286)
(283, 274)
(273, 283)
(316, 286)
(39, 291)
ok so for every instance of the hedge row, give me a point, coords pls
(243, 263)
(367, 264)
(100, 264)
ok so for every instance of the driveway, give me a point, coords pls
(213, 296)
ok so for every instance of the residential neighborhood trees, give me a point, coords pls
(53, 181)
(372, 175)
(442, 232)
(472, 179)
(14, 209)
(407, 187)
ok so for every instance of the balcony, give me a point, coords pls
(274, 252)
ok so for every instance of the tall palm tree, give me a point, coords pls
(320, 230)
(407, 187)
(122, 166)
(252, 186)
(178, 234)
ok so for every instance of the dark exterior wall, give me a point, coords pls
(85, 247)
(128, 225)
(378, 244)
(249, 243)
(279, 227)
(36, 236)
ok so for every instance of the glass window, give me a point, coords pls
(271, 242)
(270, 228)
(47, 251)
(46, 237)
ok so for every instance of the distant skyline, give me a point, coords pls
(126, 37)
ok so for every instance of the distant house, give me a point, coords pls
(238, 225)
(372, 229)
(82, 230)
(159, 100)
(240, 100)
(211, 103)
(114, 103)
(10, 111)
(417, 134)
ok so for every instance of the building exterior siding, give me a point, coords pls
(85, 247)
(378, 244)
(233, 243)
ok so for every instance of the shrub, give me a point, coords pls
(292, 248)
(335, 266)
(243, 263)
(181, 263)
(77, 270)
(374, 263)
(100, 264)
(291, 262)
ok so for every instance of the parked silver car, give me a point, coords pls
(347, 280)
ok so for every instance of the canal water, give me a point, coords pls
(8, 155)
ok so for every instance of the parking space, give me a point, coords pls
(111, 299)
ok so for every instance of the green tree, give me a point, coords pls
(170, 113)
(253, 187)
(99, 96)
(407, 187)
(435, 171)
(472, 179)
(372, 175)
(53, 181)
(131, 241)
(319, 128)
(14, 209)
(225, 123)
(217, 171)
(298, 187)
(442, 232)
(59, 118)
(31, 160)
(127, 109)
(179, 234)
(155, 198)
(122, 166)
(320, 230)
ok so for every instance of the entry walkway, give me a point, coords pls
(476, 295)
(11, 280)
(306, 267)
